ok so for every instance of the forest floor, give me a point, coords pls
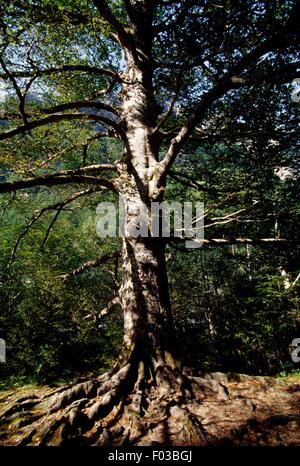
(241, 410)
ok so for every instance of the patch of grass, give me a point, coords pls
(32, 382)
(28, 382)
(17, 382)
(289, 376)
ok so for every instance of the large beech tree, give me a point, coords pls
(160, 78)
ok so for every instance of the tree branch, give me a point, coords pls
(56, 118)
(91, 264)
(110, 306)
(282, 75)
(194, 117)
(106, 134)
(232, 217)
(61, 178)
(189, 181)
(289, 33)
(7, 205)
(37, 215)
(214, 242)
(20, 96)
(56, 215)
(61, 69)
(80, 104)
(108, 16)
(168, 112)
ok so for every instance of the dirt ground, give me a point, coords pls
(232, 409)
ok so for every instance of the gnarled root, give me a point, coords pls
(138, 404)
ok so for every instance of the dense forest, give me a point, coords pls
(145, 101)
(235, 309)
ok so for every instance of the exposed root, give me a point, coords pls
(138, 406)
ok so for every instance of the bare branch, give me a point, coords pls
(91, 264)
(282, 75)
(7, 205)
(89, 168)
(213, 242)
(57, 117)
(104, 134)
(288, 34)
(219, 90)
(56, 215)
(194, 117)
(169, 111)
(189, 181)
(96, 316)
(296, 280)
(232, 217)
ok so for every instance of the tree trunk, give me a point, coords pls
(148, 323)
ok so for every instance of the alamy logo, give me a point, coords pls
(159, 220)
(2, 92)
(296, 91)
(2, 350)
(295, 354)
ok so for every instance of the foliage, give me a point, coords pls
(43, 319)
(232, 314)
(232, 310)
